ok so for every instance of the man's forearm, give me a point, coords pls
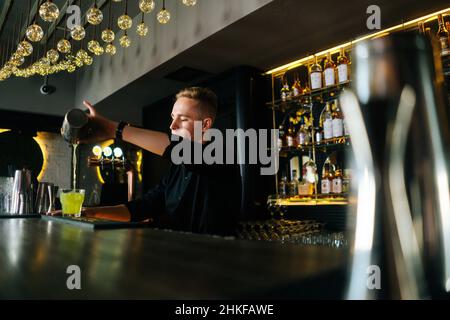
(117, 213)
(153, 141)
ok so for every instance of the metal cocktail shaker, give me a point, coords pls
(45, 197)
(22, 194)
(74, 122)
(399, 125)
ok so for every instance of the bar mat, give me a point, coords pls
(94, 223)
(19, 216)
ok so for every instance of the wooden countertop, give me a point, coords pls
(157, 264)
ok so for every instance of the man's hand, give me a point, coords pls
(99, 127)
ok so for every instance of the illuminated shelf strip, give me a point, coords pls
(379, 34)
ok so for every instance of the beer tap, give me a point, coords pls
(114, 158)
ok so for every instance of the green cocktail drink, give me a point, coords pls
(71, 202)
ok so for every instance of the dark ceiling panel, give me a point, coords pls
(278, 33)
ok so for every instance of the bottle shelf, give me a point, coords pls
(303, 101)
(321, 200)
(306, 109)
(327, 145)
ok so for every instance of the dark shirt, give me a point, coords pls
(198, 198)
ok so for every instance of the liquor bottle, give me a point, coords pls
(318, 134)
(329, 71)
(346, 181)
(342, 67)
(281, 137)
(291, 137)
(283, 188)
(310, 174)
(306, 89)
(285, 92)
(296, 87)
(301, 137)
(421, 28)
(447, 26)
(337, 122)
(337, 182)
(293, 185)
(325, 187)
(442, 36)
(327, 122)
(315, 73)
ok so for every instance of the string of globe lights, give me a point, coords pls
(62, 55)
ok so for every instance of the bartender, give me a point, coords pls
(198, 198)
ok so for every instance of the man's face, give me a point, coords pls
(184, 113)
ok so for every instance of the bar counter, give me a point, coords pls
(145, 263)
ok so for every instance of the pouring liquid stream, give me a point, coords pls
(74, 166)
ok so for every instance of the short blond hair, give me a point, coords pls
(206, 97)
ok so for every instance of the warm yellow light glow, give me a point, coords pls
(99, 176)
(4, 130)
(382, 33)
(40, 139)
(97, 151)
(139, 165)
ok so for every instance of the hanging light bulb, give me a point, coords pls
(17, 60)
(108, 35)
(124, 22)
(92, 46)
(52, 55)
(25, 48)
(124, 41)
(48, 11)
(64, 46)
(146, 6)
(142, 30)
(189, 3)
(34, 33)
(110, 49)
(78, 33)
(99, 50)
(164, 15)
(78, 62)
(88, 61)
(71, 68)
(94, 15)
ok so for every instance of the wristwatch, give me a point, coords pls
(119, 130)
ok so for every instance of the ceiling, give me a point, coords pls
(280, 32)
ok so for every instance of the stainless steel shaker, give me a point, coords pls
(74, 122)
(45, 198)
(399, 123)
(22, 194)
